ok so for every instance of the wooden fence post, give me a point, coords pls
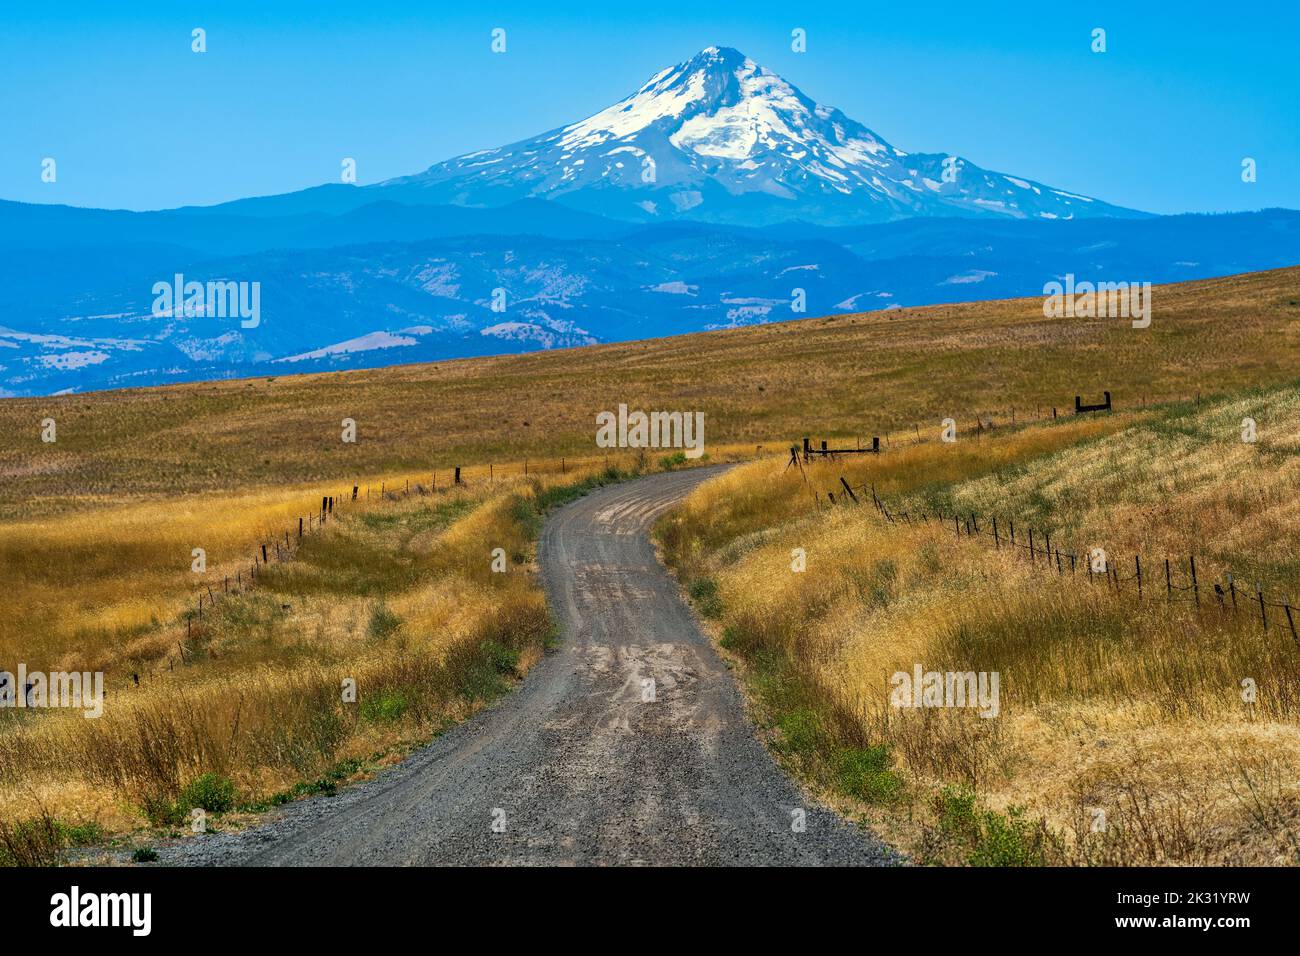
(996, 543)
(1169, 584)
(1137, 560)
(1286, 606)
(264, 554)
(1263, 613)
(1232, 590)
(1196, 588)
(458, 474)
(848, 489)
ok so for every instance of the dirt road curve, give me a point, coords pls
(574, 767)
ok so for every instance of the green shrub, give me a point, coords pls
(1009, 840)
(81, 834)
(987, 837)
(957, 816)
(704, 594)
(209, 791)
(33, 842)
(144, 855)
(162, 811)
(504, 660)
(524, 513)
(483, 670)
(802, 732)
(383, 706)
(345, 768)
(865, 773)
(382, 621)
(303, 788)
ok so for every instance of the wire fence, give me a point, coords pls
(283, 546)
(1169, 582)
(982, 423)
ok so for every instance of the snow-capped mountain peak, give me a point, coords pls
(720, 138)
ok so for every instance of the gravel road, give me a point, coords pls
(586, 762)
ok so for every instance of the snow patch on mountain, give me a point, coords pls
(362, 343)
(719, 138)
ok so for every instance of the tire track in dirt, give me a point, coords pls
(576, 763)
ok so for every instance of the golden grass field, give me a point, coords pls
(1109, 703)
(96, 533)
(860, 374)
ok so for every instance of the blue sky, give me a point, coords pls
(134, 119)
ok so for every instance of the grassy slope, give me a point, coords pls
(1108, 703)
(853, 375)
(398, 596)
(96, 530)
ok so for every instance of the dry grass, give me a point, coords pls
(96, 533)
(859, 374)
(1107, 704)
(398, 597)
